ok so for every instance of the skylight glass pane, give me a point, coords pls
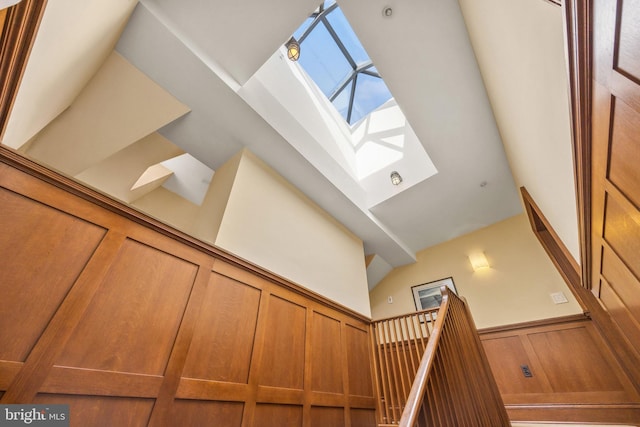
(300, 31)
(341, 102)
(371, 92)
(349, 39)
(323, 61)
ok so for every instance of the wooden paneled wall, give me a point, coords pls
(574, 375)
(131, 325)
(615, 227)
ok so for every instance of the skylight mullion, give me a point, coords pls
(371, 73)
(308, 31)
(342, 85)
(351, 97)
(318, 17)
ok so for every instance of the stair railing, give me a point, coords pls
(454, 385)
(398, 344)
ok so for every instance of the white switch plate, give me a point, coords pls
(559, 298)
(390, 300)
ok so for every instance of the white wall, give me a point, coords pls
(272, 224)
(519, 46)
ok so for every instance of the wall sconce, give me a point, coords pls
(396, 179)
(293, 49)
(478, 261)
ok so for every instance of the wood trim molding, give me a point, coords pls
(577, 26)
(14, 159)
(552, 244)
(18, 33)
(623, 413)
(535, 323)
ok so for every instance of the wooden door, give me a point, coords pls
(616, 163)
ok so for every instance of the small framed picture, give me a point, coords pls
(428, 295)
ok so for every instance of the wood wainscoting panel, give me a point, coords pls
(136, 336)
(327, 344)
(282, 363)
(197, 412)
(615, 176)
(223, 339)
(568, 361)
(620, 294)
(587, 370)
(271, 415)
(132, 323)
(363, 417)
(358, 362)
(622, 233)
(507, 355)
(572, 369)
(629, 40)
(624, 152)
(327, 416)
(101, 410)
(36, 269)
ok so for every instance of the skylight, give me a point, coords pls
(335, 60)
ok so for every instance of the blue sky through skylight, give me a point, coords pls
(336, 61)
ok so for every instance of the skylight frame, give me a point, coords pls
(320, 16)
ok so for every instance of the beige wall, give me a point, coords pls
(271, 223)
(74, 39)
(519, 46)
(515, 289)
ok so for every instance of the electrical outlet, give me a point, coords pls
(389, 300)
(526, 371)
(559, 298)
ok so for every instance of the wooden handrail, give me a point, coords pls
(416, 395)
(454, 385)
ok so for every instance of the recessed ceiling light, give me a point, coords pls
(396, 179)
(387, 11)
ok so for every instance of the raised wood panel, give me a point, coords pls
(205, 413)
(577, 373)
(327, 417)
(622, 282)
(624, 154)
(358, 362)
(223, 340)
(569, 361)
(506, 356)
(363, 417)
(614, 154)
(618, 309)
(282, 363)
(132, 322)
(622, 233)
(327, 354)
(37, 272)
(269, 415)
(8, 371)
(629, 39)
(99, 411)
